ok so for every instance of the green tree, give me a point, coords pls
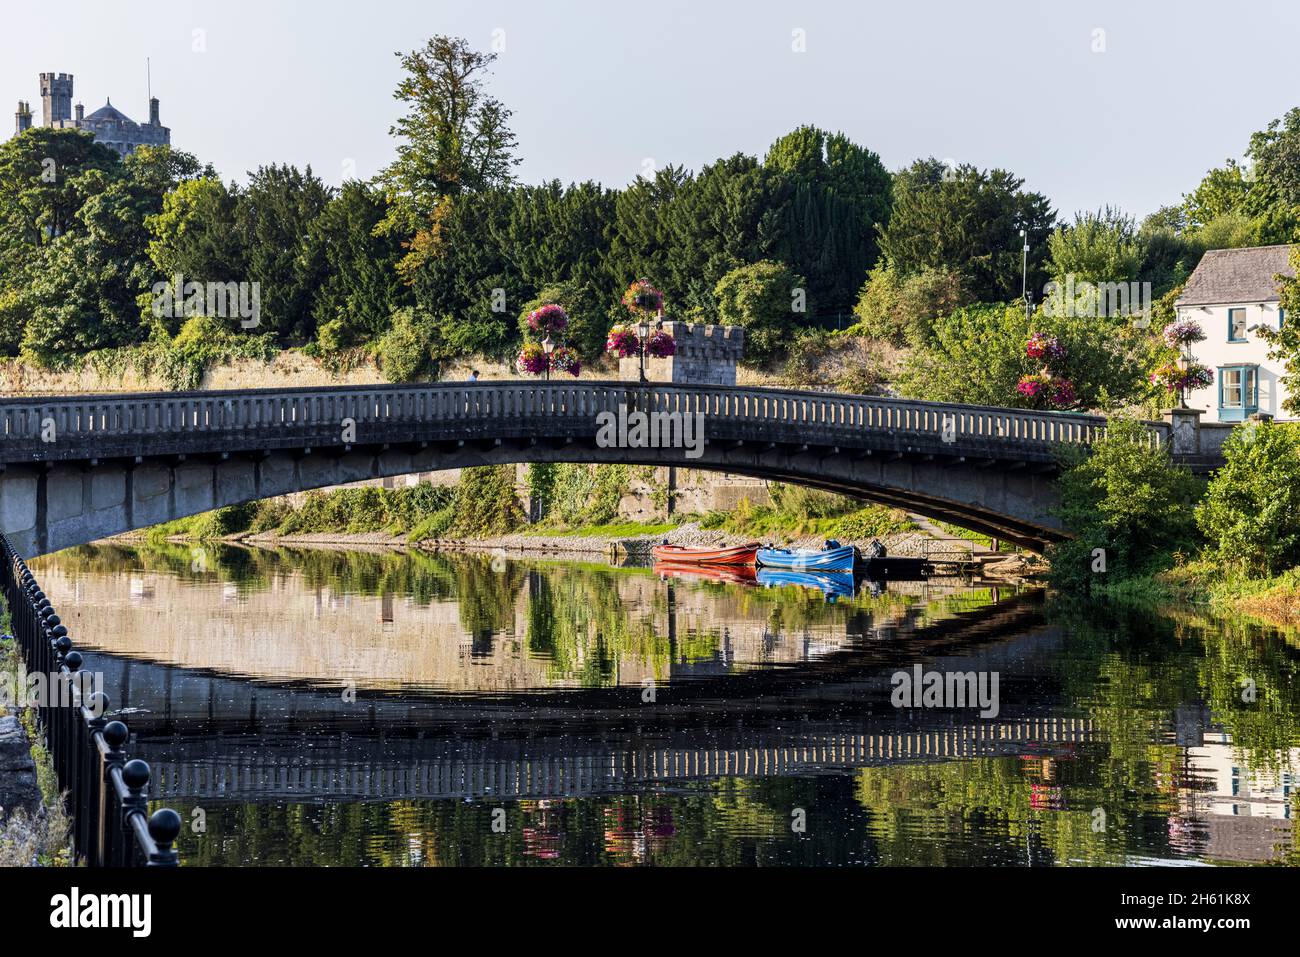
(827, 200)
(42, 186)
(1099, 247)
(967, 220)
(405, 352)
(84, 289)
(977, 355)
(1251, 511)
(1285, 342)
(360, 288)
(453, 138)
(760, 297)
(194, 236)
(273, 221)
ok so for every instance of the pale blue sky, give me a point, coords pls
(599, 89)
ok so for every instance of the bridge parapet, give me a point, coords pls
(70, 428)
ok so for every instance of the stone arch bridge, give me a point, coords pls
(77, 468)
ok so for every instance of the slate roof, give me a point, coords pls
(1237, 276)
(109, 112)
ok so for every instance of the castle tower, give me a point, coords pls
(23, 117)
(56, 98)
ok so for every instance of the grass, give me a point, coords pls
(610, 530)
(792, 521)
(978, 538)
(45, 838)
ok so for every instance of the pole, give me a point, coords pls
(1024, 271)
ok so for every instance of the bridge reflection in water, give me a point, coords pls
(526, 686)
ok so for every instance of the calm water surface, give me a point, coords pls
(326, 707)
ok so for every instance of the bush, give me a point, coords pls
(405, 351)
(1251, 512)
(760, 297)
(1126, 498)
(485, 502)
(902, 310)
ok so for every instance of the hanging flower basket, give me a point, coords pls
(532, 359)
(1062, 393)
(548, 319)
(661, 345)
(1183, 333)
(1046, 391)
(565, 359)
(1044, 347)
(622, 341)
(1173, 378)
(1033, 386)
(642, 297)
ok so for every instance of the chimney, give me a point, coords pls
(23, 117)
(153, 112)
(81, 113)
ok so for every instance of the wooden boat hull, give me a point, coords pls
(683, 554)
(840, 559)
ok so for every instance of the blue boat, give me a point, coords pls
(833, 558)
(832, 584)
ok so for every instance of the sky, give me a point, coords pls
(1125, 104)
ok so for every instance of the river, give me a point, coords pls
(405, 709)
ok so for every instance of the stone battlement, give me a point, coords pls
(706, 355)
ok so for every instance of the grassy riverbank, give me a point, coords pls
(45, 838)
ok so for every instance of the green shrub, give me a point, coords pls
(485, 502)
(1127, 499)
(405, 351)
(1251, 511)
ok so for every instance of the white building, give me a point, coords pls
(1231, 294)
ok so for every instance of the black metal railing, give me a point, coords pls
(112, 826)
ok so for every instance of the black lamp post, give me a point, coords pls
(548, 347)
(643, 328)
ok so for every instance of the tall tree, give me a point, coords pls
(273, 220)
(360, 289)
(967, 220)
(85, 290)
(454, 138)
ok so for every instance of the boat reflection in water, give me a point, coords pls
(833, 585)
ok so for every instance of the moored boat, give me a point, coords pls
(678, 554)
(833, 558)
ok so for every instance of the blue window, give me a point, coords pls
(1281, 317)
(1238, 392)
(1236, 325)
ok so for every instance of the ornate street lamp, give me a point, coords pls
(548, 347)
(643, 331)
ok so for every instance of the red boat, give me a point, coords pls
(739, 555)
(739, 574)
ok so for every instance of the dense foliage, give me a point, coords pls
(1251, 512)
(1127, 504)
